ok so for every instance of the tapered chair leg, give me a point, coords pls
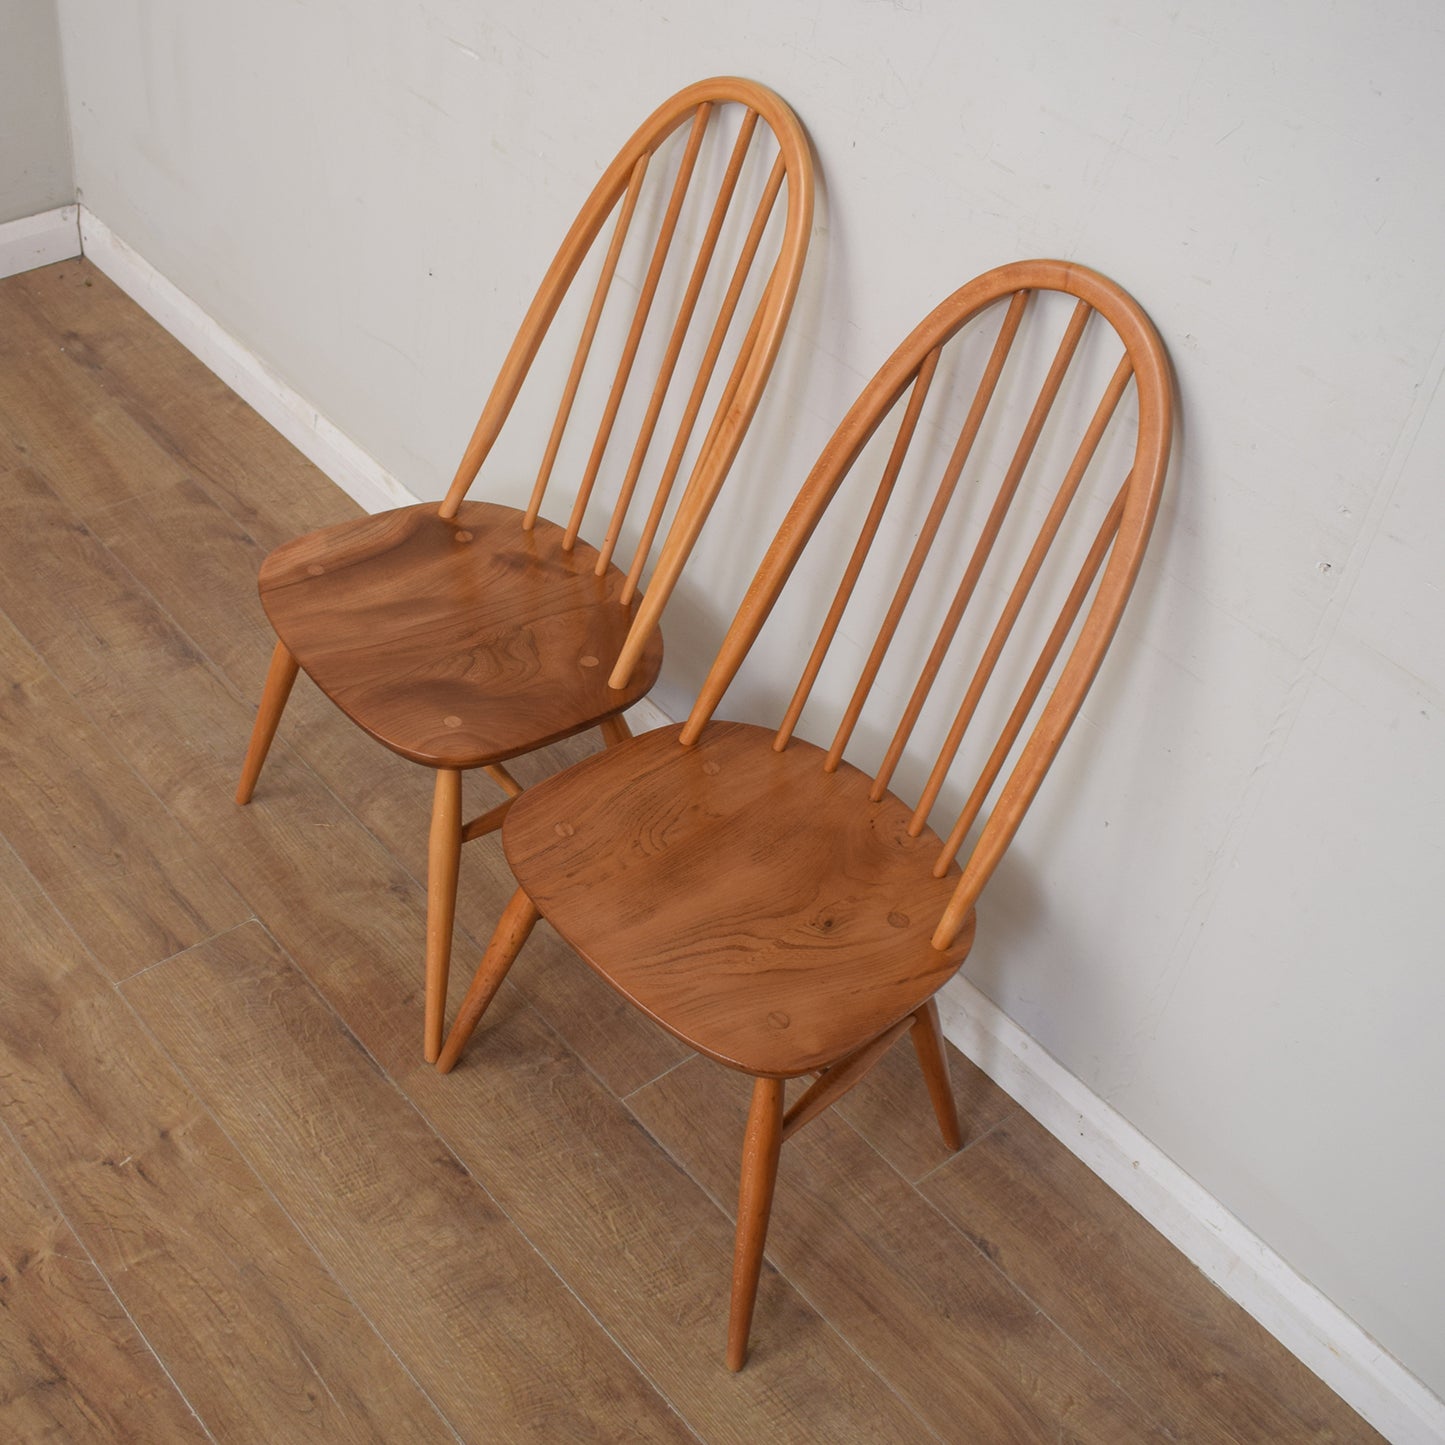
(279, 677)
(518, 919)
(761, 1146)
(615, 730)
(928, 1041)
(443, 858)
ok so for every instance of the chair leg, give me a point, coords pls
(515, 925)
(761, 1145)
(928, 1041)
(615, 730)
(279, 677)
(443, 857)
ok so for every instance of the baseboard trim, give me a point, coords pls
(1309, 1325)
(646, 717)
(39, 240)
(322, 443)
(1317, 1331)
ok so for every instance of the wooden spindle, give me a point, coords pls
(1035, 560)
(918, 393)
(836, 1080)
(487, 822)
(584, 346)
(503, 779)
(679, 334)
(640, 313)
(614, 730)
(280, 677)
(983, 549)
(696, 502)
(1034, 684)
(704, 376)
(948, 483)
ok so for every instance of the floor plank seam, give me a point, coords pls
(707, 1193)
(232, 686)
(182, 952)
(112, 385)
(648, 1083)
(958, 1153)
(506, 1214)
(220, 675)
(1143, 1405)
(302, 1234)
(105, 1279)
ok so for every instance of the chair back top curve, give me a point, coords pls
(737, 168)
(1112, 553)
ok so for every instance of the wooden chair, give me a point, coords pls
(465, 634)
(774, 906)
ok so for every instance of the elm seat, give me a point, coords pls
(456, 641)
(822, 935)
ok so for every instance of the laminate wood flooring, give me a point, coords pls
(234, 1203)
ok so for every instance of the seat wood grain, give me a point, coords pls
(764, 911)
(456, 642)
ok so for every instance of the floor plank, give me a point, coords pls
(1160, 1328)
(256, 1333)
(182, 408)
(91, 457)
(411, 1236)
(107, 850)
(180, 728)
(76, 1367)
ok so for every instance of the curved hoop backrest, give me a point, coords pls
(1120, 539)
(766, 139)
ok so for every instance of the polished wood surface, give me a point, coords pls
(280, 679)
(1019, 1300)
(762, 1144)
(457, 642)
(513, 929)
(770, 904)
(762, 910)
(933, 1060)
(469, 633)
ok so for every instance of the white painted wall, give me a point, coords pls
(35, 173)
(1222, 915)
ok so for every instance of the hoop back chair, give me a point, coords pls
(776, 907)
(464, 634)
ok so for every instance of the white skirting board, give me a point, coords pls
(1239, 1262)
(38, 240)
(243, 371)
(1310, 1326)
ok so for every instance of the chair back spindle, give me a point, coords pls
(747, 140)
(1075, 641)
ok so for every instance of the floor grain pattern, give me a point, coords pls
(235, 1205)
